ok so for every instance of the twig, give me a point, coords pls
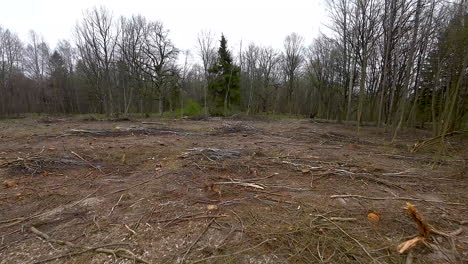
(23, 219)
(369, 177)
(235, 253)
(348, 235)
(181, 219)
(129, 229)
(136, 185)
(120, 252)
(245, 184)
(343, 219)
(71, 254)
(302, 165)
(89, 163)
(113, 207)
(196, 240)
(394, 198)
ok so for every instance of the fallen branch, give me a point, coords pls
(301, 165)
(354, 239)
(245, 184)
(434, 140)
(235, 253)
(120, 252)
(343, 219)
(369, 177)
(188, 218)
(136, 185)
(71, 254)
(89, 163)
(394, 198)
(196, 240)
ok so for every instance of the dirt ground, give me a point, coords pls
(225, 191)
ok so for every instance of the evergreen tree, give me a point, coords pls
(224, 87)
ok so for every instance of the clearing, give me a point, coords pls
(225, 191)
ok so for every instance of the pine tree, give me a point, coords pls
(224, 87)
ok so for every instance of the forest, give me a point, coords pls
(388, 63)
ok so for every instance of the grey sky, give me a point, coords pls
(265, 22)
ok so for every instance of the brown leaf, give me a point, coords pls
(305, 170)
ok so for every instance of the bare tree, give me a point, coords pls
(251, 60)
(159, 58)
(293, 58)
(36, 63)
(131, 51)
(365, 22)
(207, 53)
(96, 39)
(11, 51)
(268, 60)
(409, 66)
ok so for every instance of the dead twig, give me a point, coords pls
(343, 219)
(196, 240)
(188, 218)
(354, 239)
(136, 185)
(302, 165)
(394, 198)
(113, 207)
(119, 252)
(71, 254)
(89, 163)
(245, 184)
(369, 177)
(232, 254)
(434, 140)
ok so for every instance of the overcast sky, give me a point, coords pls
(265, 22)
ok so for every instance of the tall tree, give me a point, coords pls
(225, 85)
(293, 58)
(207, 53)
(96, 41)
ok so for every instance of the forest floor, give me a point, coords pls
(226, 191)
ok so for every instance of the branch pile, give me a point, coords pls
(234, 127)
(122, 131)
(36, 164)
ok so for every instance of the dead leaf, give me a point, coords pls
(373, 217)
(305, 170)
(405, 246)
(9, 183)
(212, 207)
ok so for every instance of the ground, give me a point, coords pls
(225, 191)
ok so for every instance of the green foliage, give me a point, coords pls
(192, 108)
(224, 86)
